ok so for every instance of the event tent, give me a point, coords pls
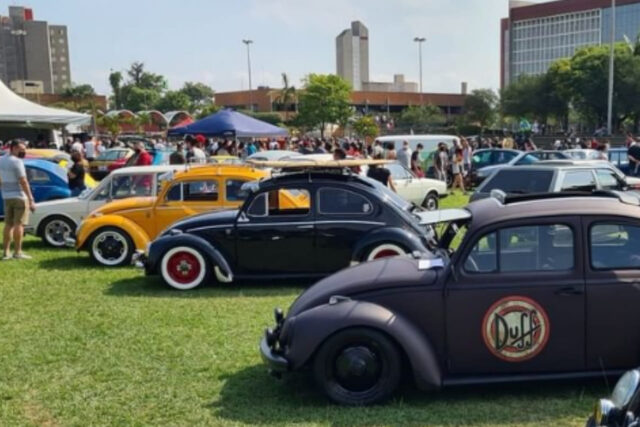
(232, 124)
(17, 111)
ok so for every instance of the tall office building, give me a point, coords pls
(352, 55)
(33, 53)
(537, 34)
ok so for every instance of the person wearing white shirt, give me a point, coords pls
(404, 155)
(90, 149)
(77, 146)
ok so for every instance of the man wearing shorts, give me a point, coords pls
(17, 198)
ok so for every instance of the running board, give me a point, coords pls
(495, 379)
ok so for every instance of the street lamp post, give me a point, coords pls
(611, 68)
(248, 43)
(420, 40)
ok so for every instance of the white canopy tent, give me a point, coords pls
(16, 111)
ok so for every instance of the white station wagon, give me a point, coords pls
(57, 220)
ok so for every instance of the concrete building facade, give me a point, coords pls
(537, 34)
(33, 51)
(352, 55)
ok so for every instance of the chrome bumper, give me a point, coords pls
(70, 242)
(139, 259)
(276, 364)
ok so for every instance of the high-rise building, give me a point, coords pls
(33, 51)
(537, 34)
(352, 55)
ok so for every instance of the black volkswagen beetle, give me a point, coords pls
(304, 224)
(527, 294)
(623, 408)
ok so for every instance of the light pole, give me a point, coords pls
(611, 68)
(420, 40)
(248, 43)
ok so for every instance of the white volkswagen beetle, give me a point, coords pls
(57, 220)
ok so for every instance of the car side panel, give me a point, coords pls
(88, 227)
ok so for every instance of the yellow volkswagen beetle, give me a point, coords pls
(112, 233)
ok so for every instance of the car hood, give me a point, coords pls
(54, 204)
(385, 273)
(126, 204)
(488, 170)
(207, 219)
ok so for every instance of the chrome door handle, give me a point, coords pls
(276, 237)
(301, 227)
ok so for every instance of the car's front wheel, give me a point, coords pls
(184, 268)
(430, 201)
(358, 366)
(56, 230)
(111, 247)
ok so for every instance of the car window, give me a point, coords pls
(578, 181)
(398, 171)
(340, 201)
(139, 185)
(104, 192)
(501, 157)
(522, 249)
(528, 159)
(481, 159)
(281, 202)
(614, 246)
(516, 181)
(36, 176)
(608, 179)
(200, 191)
(233, 190)
(174, 194)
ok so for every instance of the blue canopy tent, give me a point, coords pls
(230, 123)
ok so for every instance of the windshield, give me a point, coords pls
(87, 192)
(390, 195)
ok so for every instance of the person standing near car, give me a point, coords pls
(380, 173)
(404, 155)
(633, 152)
(76, 174)
(143, 156)
(177, 157)
(90, 149)
(441, 162)
(416, 168)
(17, 198)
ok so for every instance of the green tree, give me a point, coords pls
(287, 95)
(199, 94)
(420, 118)
(143, 90)
(115, 80)
(366, 127)
(79, 91)
(480, 107)
(112, 124)
(207, 111)
(173, 100)
(326, 99)
(135, 72)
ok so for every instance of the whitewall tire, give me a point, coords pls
(183, 268)
(385, 250)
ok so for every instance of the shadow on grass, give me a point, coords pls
(251, 396)
(154, 287)
(72, 261)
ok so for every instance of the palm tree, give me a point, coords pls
(287, 95)
(112, 123)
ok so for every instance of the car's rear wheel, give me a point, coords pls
(111, 247)
(358, 366)
(430, 201)
(184, 268)
(56, 230)
(385, 250)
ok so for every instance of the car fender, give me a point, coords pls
(91, 225)
(387, 234)
(312, 327)
(37, 226)
(161, 245)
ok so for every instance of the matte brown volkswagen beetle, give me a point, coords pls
(539, 287)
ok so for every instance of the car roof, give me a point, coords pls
(318, 175)
(141, 169)
(491, 211)
(557, 165)
(220, 169)
(46, 165)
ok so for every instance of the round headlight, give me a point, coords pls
(625, 389)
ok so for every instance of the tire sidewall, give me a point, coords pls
(47, 221)
(430, 196)
(379, 247)
(385, 348)
(166, 277)
(129, 242)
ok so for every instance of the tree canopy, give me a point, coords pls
(325, 100)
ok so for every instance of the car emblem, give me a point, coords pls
(515, 329)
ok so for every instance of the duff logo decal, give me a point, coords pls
(515, 329)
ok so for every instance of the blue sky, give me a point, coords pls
(200, 40)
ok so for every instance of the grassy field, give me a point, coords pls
(84, 345)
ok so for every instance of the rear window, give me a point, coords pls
(519, 181)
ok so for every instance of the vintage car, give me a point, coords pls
(225, 160)
(103, 164)
(346, 219)
(47, 180)
(622, 409)
(56, 221)
(115, 231)
(526, 295)
(524, 158)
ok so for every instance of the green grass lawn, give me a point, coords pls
(83, 345)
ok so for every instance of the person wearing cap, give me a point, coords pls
(177, 157)
(143, 156)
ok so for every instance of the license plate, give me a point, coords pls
(102, 168)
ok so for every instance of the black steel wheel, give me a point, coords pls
(430, 202)
(111, 247)
(358, 366)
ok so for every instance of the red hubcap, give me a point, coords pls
(183, 267)
(386, 253)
